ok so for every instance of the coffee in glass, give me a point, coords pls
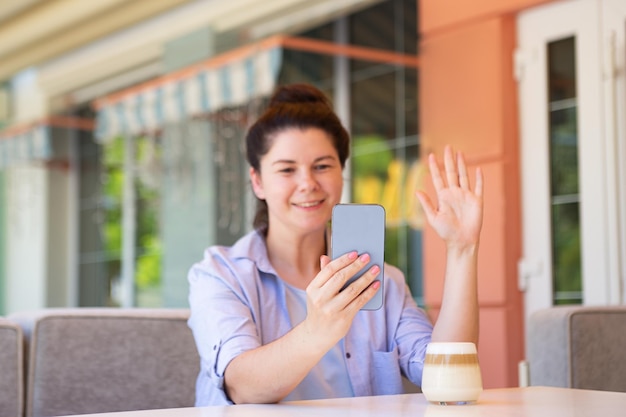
(451, 373)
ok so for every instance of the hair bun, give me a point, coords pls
(297, 94)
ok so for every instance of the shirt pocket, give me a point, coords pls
(386, 375)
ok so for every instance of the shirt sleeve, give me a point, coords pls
(413, 332)
(222, 324)
(387, 343)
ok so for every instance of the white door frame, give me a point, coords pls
(614, 89)
(600, 148)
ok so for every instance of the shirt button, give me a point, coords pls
(348, 355)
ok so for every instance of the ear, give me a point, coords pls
(257, 185)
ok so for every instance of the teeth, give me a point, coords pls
(311, 204)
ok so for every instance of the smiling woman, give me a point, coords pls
(275, 319)
(300, 192)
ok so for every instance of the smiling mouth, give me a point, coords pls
(309, 204)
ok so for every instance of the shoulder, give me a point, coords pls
(248, 254)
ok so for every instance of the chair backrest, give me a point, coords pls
(11, 370)
(578, 347)
(95, 360)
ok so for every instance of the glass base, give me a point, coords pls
(453, 402)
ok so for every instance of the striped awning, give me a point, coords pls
(24, 145)
(231, 79)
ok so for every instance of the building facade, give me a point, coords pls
(120, 148)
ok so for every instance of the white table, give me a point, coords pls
(509, 402)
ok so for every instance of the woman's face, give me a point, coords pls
(300, 179)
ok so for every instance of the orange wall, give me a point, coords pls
(468, 99)
(441, 15)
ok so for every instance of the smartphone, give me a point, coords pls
(361, 228)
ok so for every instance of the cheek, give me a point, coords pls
(334, 186)
(276, 188)
(338, 180)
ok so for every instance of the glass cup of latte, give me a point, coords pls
(451, 373)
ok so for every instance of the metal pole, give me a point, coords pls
(129, 225)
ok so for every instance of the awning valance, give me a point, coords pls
(231, 79)
(33, 141)
(27, 145)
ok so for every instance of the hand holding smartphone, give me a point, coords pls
(361, 228)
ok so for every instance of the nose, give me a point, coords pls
(308, 182)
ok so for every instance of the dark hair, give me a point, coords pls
(299, 106)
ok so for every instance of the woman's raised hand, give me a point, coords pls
(458, 213)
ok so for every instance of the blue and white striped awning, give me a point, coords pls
(25, 145)
(224, 81)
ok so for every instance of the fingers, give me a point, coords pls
(324, 260)
(335, 273)
(427, 205)
(434, 173)
(452, 175)
(463, 178)
(455, 171)
(365, 295)
(478, 189)
(360, 291)
(330, 282)
(339, 279)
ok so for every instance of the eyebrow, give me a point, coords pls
(289, 161)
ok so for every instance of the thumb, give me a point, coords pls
(324, 260)
(427, 204)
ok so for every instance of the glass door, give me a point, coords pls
(572, 141)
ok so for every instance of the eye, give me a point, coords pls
(322, 167)
(286, 170)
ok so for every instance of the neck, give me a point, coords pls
(296, 258)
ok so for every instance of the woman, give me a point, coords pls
(268, 316)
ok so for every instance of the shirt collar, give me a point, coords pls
(253, 247)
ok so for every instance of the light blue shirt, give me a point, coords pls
(329, 378)
(239, 303)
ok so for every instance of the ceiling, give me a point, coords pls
(33, 31)
(49, 33)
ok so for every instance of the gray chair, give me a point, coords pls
(95, 360)
(11, 370)
(578, 347)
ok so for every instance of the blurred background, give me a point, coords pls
(122, 125)
(155, 174)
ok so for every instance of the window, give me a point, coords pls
(190, 183)
(567, 274)
(383, 122)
